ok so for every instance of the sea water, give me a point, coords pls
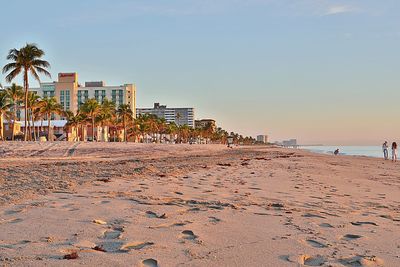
(368, 151)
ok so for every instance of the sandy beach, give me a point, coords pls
(116, 204)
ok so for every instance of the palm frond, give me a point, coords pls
(43, 71)
(34, 74)
(10, 66)
(14, 73)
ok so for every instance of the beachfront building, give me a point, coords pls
(70, 94)
(262, 138)
(204, 123)
(181, 116)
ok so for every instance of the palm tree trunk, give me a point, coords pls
(82, 135)
(125, 134)
(33, 123)
(13, 123)
(26, 85)
(1, 127)
(48, 126)
(92, 128)
(29, 126)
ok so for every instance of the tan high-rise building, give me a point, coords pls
(71, 95)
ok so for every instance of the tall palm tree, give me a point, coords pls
(50, 106)
(107, 114)
(73, 121)
(5, 106)
(92, 108)
(125, 112)
(83, 120)
(34, 104)
(28, 61)
(15, 94)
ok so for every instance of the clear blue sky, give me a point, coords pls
(317, 70)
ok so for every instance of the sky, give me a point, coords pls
(321, 71)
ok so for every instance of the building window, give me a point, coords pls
(67, 99)
(62, 98)
(114, 96)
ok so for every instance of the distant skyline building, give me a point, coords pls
(180, 116)
(289, 143)
(262, 138)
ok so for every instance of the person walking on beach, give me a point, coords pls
(394, 151)
(385, 150)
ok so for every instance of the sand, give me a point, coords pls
(113, 204)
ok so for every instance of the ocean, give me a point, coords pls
(368, 151)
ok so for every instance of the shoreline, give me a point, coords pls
(343, 154)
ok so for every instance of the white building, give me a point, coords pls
(180, 116)
(262, 138)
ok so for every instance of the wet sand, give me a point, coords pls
(194, 205)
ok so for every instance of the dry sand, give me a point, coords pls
(119, 204)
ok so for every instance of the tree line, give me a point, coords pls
(145, 128)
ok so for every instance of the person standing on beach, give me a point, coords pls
(394, 151)
(385, 150)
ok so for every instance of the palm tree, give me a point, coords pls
(34, 105)
(83, 120)
(124, 111)
(106, 114)
(73, 120)
(28, 61)
(184, 132)
(92, 108)
(50, 106)
(5, 105)
(15, 94)
(172, 130)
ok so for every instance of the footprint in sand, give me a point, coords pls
(17, 220)
(307, 260)
(326, 225)
(150, 263)
(110, 246)
(135, 246)
(151, 214)
(189, 235)
(214, 219)
(10, 212)
(362, 261)
(363, 223)
(349, 237)
(316, 244)
(312, 215)
(112, 234)
(170, 225)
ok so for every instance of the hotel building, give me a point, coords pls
(180, 116)
(71, 95)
